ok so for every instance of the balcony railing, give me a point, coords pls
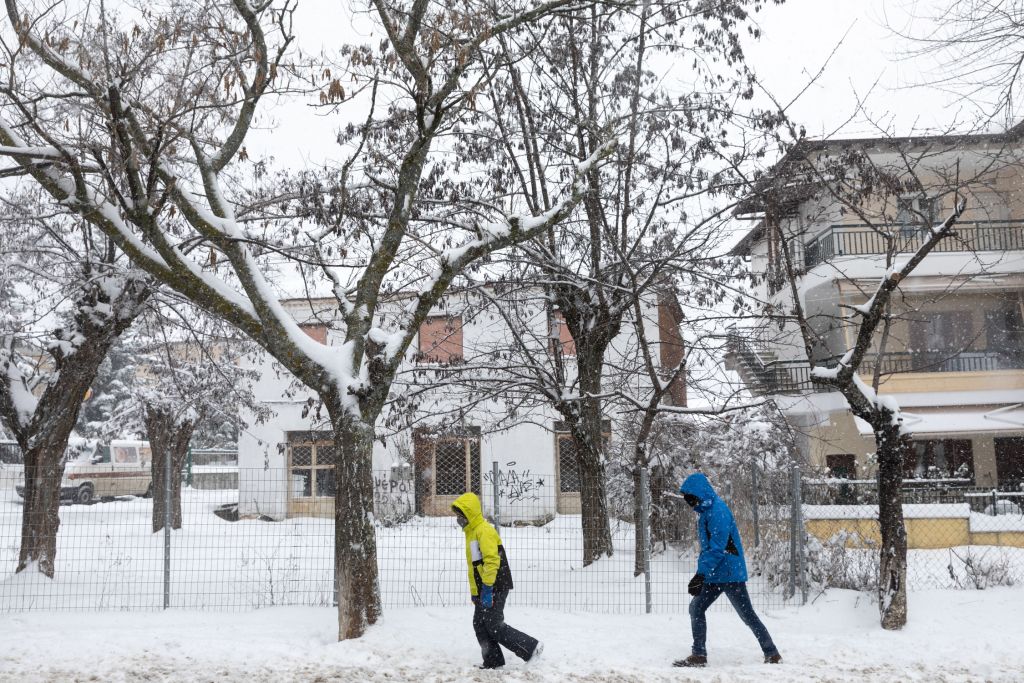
(965, 361)
(862, 239)
(794, 377)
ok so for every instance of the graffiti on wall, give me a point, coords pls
(516, 485)
(394, 499)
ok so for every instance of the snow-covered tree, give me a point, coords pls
(652, 216)
(70, 295)
(162, 100)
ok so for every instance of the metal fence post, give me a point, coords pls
(496, 490)
(794, 518)
(801, 537)
(645, 534)
(995, 503)
(167, 530)
(756, 499)
(188, 468)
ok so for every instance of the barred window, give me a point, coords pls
(312, 470)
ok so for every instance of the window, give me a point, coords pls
(447, 465)
(939, 459)
(1009, 461)
(842, 465)
(915, 213)
(441, 340)
(456, 462)
(937, 338)
(569, 480)
(568, 466)
(124, 455)
(312, 470)
(559, 336)
(1004, 332)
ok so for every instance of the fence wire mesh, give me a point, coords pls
(250, 540)
(957, 536)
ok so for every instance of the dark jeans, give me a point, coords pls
(492, 632)
(737, 594)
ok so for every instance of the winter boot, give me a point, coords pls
(537, 652)
(692, 661)
(773, 659)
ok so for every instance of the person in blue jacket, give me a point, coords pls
(721, 568)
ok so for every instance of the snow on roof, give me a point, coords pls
(952, 421)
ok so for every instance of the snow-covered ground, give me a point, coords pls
(100, 619)
(951, 636)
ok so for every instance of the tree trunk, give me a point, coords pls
(44, 469)
(355, 541)
(892, 581)
(638, 511)
(167, 439)
(587, 430)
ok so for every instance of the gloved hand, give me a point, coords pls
(696, 584)
(475, 599)
(487, 596)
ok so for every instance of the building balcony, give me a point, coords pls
(863, 240)
(764, 375)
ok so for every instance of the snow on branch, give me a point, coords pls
(17, 403)
(512, 230)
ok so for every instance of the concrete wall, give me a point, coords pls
(922, 534)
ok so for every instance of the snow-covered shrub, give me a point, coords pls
(844, 561)
(979, 571)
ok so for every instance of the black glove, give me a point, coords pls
(696, 584)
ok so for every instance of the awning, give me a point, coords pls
(1007, 418)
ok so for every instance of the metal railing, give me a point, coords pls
(964, 361)
(862, 239)
(773, 377)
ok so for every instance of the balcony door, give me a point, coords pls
(1010, 461)
(937, 338)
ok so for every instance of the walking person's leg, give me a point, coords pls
(519, 643)
(489, 647)
(740, 599)
(699, 626)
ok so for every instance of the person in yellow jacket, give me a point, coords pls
(490, 580)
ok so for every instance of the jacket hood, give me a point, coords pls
(469, 505)
(698, 485)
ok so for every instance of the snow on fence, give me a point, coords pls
(231, 554)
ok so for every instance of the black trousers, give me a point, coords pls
(492, 632)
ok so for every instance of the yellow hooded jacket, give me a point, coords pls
(485, 555)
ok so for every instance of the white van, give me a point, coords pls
(118, 468)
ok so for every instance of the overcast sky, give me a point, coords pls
(869, 64)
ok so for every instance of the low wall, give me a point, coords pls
(928, 526)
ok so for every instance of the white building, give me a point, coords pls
(286, 464)
(954, 358)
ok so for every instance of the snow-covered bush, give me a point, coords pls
(979, 571)
(844, 561)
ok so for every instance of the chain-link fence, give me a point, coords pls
(269, 541)
(957, 536)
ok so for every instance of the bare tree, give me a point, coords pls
(170, 97)
(894, 187)
(657, 205)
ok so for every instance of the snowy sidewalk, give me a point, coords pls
(952, 636)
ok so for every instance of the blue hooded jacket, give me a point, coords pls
(721, 552)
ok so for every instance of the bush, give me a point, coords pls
(971, 571)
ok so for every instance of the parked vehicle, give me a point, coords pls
(118, 468)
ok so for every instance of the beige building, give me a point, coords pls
(953, 355)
